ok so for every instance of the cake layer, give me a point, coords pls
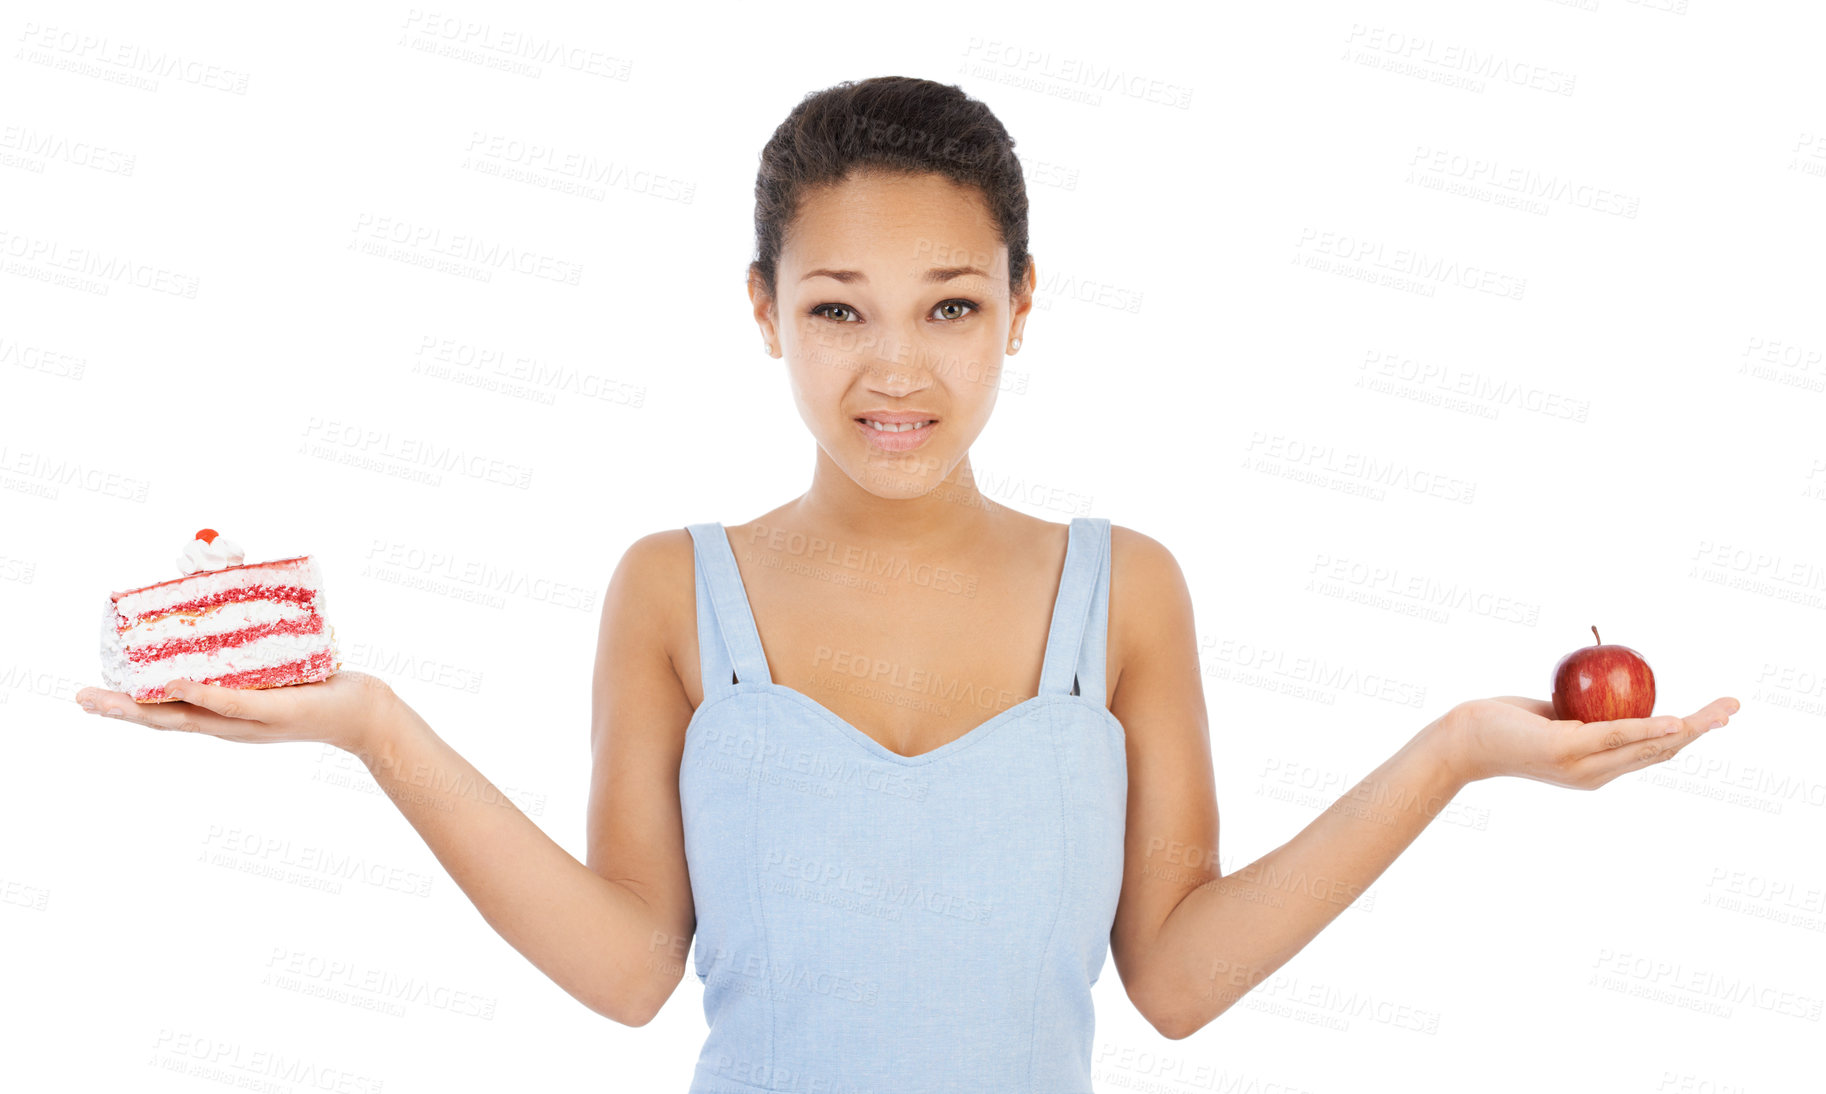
(262, 652)
(212, 623)
(293, 579)
(309, 670)
(206, 628)
(270, 660)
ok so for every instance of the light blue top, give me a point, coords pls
(872, 923)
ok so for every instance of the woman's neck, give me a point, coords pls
(954, 512)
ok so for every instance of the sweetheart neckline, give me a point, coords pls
(746, 607)
(882, 751)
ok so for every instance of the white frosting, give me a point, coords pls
(165, 595)
(221, 619)
(199, 555)
(273, 649)
(114, 664)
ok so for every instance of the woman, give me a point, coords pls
(905, 761)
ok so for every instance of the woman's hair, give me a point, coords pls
(889, 123)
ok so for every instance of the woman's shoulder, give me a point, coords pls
(1149, 604)
(658, 554)
(1137, 551)
(653, 588)
(1145, 569)
(1135, 555)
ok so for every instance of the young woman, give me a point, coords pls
(907, 762)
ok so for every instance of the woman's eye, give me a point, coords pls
(950, 311)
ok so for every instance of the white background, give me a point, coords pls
(1385, 500)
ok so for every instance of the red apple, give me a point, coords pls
(1601, 683)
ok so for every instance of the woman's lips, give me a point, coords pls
(903, 441)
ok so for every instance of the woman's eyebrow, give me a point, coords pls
(936, 273)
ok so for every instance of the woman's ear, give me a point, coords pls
(764, 313)
(1022, 302)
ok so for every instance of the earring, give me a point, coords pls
(767, 347)
(1015, 345)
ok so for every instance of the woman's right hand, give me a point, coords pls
(347, 710)
(1514, 735)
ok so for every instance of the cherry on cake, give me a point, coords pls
(224, 623)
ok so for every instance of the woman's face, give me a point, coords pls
(893, 308)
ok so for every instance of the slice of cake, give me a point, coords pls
(223, 623)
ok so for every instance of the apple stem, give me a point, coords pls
(1594, 634)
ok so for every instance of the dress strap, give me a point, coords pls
(727, 642)
(1076, 647)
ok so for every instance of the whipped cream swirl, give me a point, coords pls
(214, 553)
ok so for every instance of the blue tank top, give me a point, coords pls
(872, 923)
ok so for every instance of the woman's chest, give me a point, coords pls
(910, 656)
(807, 849)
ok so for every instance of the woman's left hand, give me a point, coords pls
(1510, 735)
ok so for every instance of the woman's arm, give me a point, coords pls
(613, 934)
(594, 937)
(1229, 934)
(1189, 940)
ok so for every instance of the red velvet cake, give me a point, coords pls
(223, 623)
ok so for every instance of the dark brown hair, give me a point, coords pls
(888, 123)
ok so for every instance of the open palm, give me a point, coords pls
(1512, 735)
(340, 710)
